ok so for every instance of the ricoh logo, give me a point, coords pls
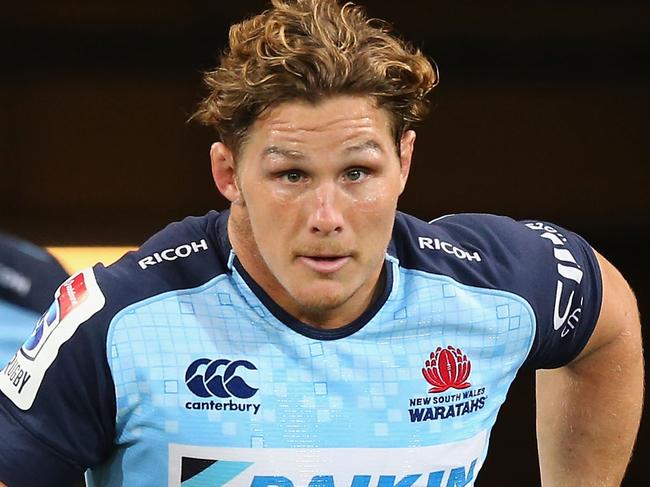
(170, 255)
(437, 244)
(568, 270)
(223, 379)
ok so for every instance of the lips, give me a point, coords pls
(324, 264)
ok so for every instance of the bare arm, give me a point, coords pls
(588, 412)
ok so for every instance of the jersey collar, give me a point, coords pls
(228, 255)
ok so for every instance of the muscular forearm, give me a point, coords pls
(588, 416)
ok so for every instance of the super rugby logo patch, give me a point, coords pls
(71, 294)
(76, 300)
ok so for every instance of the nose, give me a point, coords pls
(326, 216)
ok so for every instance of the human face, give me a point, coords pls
(314, 192)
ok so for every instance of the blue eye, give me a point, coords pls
(355, 174)
(292, 176)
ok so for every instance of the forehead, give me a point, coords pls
(336, 121)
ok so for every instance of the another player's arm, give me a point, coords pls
(588, 412)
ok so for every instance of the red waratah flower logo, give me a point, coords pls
(446, 368)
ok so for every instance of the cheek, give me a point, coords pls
(377, 200)
(272, 221)
(266, 205)
(375, 205)
(277, 200)
(373, 216)
(282, 196)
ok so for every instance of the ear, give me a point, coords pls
(223, 171)
(407, 145)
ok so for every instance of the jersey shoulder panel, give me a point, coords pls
(553, 269)
(184, 255)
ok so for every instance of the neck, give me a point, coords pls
(248, 254)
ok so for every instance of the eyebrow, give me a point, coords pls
(286, 153)
(368, 145)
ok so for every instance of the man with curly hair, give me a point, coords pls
(311, 335)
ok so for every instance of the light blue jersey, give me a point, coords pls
(180, 370)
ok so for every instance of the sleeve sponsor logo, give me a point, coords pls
(75, 302)
(437, 244)
(565, 317)
(170, 255)
(454, 464)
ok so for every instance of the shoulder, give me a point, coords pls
(553, 269)
(58, 392)
(527, 256)
(184, 255)
(469, 246)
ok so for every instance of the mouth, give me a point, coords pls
(324, 264)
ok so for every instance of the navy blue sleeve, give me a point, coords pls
(46, 466)
(568, 294)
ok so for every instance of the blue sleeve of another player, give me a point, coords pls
(567, 294)
(29, 275)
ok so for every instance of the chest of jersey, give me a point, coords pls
(212, 388)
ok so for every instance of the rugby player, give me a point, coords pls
(311, 335)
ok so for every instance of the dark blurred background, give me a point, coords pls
(542, 112)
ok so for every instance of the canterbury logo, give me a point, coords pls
(219, 378)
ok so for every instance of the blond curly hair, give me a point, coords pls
(309, 50)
